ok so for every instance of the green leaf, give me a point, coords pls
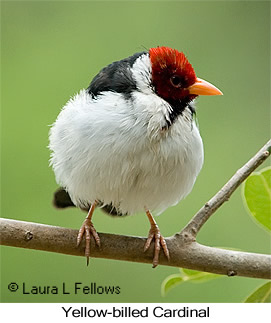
(257, 196)
(170, 282)
(186, 275)
(261, 295)
(195, 276)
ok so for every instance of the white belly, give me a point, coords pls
(104, 153)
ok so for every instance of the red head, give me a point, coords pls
(174, 77)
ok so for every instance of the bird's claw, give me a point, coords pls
(88, 230)
(155, 234)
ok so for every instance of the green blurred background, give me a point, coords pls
(50, 50)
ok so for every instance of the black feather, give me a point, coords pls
(178, 106)
(116, 77)
(62, 200)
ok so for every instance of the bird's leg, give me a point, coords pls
(88, 229)
(159, 240)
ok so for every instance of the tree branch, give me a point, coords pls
(182, 253)
(184, 250)
(198, 220)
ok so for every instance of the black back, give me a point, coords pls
(116, 77)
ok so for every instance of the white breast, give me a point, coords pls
(114, 150)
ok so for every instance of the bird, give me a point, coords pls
(129, 142)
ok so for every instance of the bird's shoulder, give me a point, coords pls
(115, 77)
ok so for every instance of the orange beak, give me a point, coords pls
(201, 87)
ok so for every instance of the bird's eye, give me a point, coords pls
(176, 81)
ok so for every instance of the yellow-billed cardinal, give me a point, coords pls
(129, 143)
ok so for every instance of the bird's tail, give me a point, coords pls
(62, 200)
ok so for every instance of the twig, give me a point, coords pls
(193, 227)
(184, 250)
(188, 255)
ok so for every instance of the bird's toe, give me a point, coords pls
(159, 241)
(88, 230)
